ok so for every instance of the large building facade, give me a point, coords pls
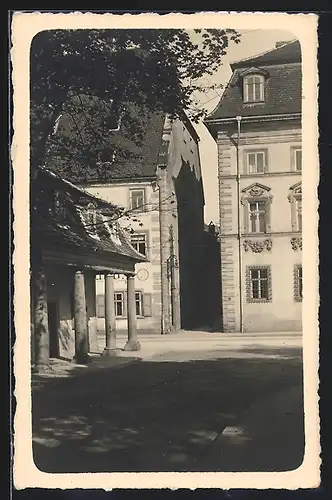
(163, 197)
(257, 128)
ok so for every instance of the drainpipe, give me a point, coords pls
(238, 119)
(164, 230)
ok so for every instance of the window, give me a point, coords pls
(256, 162)
(119, 304)
(142, 304)
(253, 88)
(91, 218)
(138, 241)
(259, 284)
(296, 159)
(137, 199)
(298, 286)
(295, 199)
(59, 206)
(139, 303)
(257, 216)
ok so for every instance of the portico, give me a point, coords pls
(63, 277)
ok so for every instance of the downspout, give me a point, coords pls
(238, 119)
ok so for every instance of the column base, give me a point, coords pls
(132, 345)
(42, 369)
(110, 351)
(82, 359)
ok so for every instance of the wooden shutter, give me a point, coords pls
(147, 304)
(100, 306)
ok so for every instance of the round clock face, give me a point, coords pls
(142, 274)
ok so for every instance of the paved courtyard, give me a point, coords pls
(181, 404)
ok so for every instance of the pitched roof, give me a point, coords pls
(140, 162)
(286, 53)
(282, 85)
(73, 230)
(147, 154)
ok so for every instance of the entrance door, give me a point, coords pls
(53, 325)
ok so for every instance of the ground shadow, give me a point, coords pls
(149, 417)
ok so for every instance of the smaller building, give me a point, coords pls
(75, 236)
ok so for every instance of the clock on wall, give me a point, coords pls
(142, 274)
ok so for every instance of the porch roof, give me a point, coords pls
(70, 229)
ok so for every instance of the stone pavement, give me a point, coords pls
(193, 403)
(198, 341)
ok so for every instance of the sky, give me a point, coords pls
(252, 43)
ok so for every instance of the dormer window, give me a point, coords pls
(253, 88)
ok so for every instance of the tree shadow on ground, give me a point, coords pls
(164, 416)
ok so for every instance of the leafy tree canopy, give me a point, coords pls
(85, 74)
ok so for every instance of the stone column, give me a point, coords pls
(81, 324)
(41, 330)
(132, 343)
(110, 330)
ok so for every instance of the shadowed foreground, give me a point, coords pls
(233, 413)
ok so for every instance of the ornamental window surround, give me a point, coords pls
(298, 283)
(258, 284)
(295, 199)
(256, 200)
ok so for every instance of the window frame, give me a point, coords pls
(249, 297)
(293, 162)
(246, 214)
(298, 283)
(122, 301)
(141, 304)
(146, 241)
(257, 218)
(248, 152)
(246, 88)
(141, 208)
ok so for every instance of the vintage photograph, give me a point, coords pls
(166, 270)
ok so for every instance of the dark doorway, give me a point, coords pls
(53, 325)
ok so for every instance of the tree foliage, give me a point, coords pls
(83, 74)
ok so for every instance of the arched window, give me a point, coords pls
(253, 88)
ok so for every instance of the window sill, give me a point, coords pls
(125, 317)
(257, 173)
(259, 301)
(254, 102)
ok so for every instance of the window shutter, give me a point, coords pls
(245, 217)
(268, 216)
(147, 304)
(100, 306)
(266, 166)
(125, 303)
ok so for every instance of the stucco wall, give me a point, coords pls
(283, 312)
(147, 278)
